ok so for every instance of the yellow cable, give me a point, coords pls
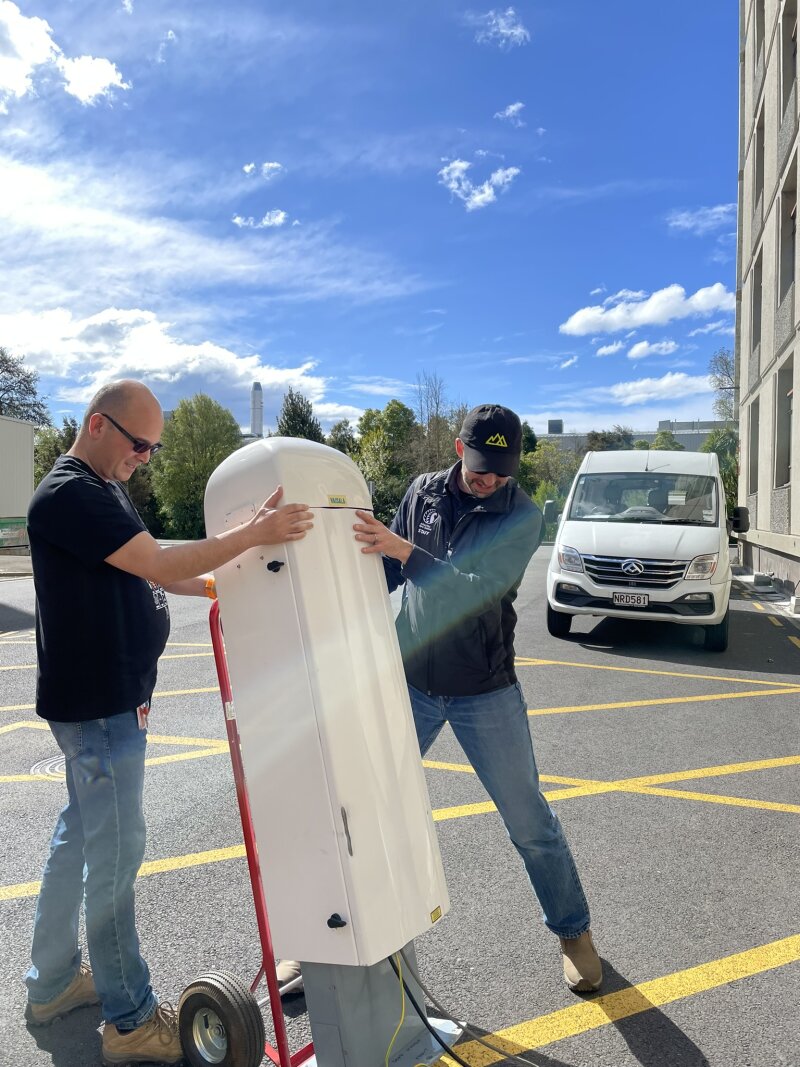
(402, 1011)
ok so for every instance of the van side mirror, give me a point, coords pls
(741, 520)
(549, 512)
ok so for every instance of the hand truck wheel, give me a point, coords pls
(220, 1022)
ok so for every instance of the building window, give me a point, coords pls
(788, 52)
(758, 165)
(752, 455)
(759, 34)
(784, 395)
(756, 306)
(787, 232)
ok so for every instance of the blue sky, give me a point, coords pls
(536, 203)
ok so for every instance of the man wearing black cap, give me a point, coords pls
(459, 545)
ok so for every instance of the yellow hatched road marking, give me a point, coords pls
(713, 798)
(600, 1011)
(642, 670)
(795, 641)
(163, 693)
(172, 655)
(775, 621)
(697, 698)
(758, 607)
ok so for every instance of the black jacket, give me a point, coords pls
(456, 623)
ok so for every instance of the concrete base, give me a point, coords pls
(354, 1011)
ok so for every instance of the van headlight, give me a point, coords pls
(569, 559)
(702, 566)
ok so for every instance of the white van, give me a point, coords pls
(644, 535)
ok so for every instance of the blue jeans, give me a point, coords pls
(95, 854)
(494, 733)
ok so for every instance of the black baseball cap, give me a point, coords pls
(492, 440)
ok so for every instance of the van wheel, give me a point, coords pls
(558, 622)
(717, 636)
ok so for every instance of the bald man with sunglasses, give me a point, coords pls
(102, 621)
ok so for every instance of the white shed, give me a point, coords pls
(16, 479)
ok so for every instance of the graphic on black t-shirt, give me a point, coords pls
(159, 597)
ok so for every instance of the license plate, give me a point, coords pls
(630, 600)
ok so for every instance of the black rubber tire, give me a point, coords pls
(558, 622)
(716, 637)
(238, 1040)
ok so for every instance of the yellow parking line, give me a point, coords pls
(19, 667)
(774, 620)
(600, 1011)
(713, 798)
(642, 670)
(26, 778)
(172, 863)
(172, 655)
(697, 698)
(719, 771)
(189, 644)
(163, 693)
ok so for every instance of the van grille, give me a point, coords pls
(658, 573)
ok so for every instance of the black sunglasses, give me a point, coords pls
(139, 446)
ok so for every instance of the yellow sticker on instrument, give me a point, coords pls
(337, 501)
(436, 914)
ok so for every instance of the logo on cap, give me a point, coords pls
(498, 440)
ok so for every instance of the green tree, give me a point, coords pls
(528, 437)
(726, 444)
(297, 419)
(49, 443)
(548, 464)
(722, 376)
(641, 445)
(342, 438)
(549, 491)
(618, 439)
(200, 434)
(19, 391)
(375, 461)
(139, 488)
(666, 441)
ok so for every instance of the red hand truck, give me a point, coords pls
(219, 1016)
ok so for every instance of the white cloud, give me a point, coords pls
(598, 291)
(718, 327)
(626, 294)
(329, 413)
(128, 6)
(703, 220)
(132, 342)
(76, 230)
(568, 363)
(659, 308)
(503, 28)
(88, 79)
(609, 350)
(454, 177)
(512, 114)
(645, 390)
(276, 217)
(645, 348)
(248, 168)
(168, 39)
(379, 386)
(271, 170)
(27, 45)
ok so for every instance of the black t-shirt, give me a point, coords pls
(99, 630)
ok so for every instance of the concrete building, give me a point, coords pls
(690, 434)
(767, 324)
(16, 480)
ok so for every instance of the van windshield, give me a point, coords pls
(673, 499)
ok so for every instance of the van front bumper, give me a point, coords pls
(590, 603)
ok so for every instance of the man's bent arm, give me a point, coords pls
(144, 557)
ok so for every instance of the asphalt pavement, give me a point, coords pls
(672, 769)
